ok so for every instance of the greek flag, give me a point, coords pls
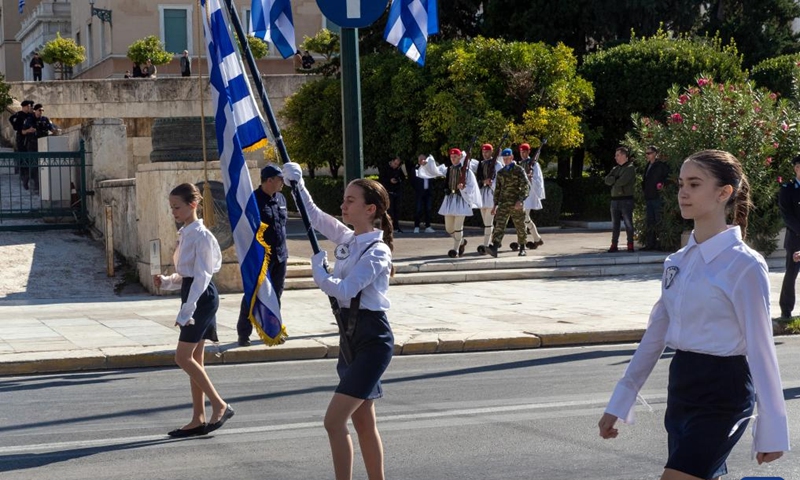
(271, 20)
(410, 23)
(240, 127)
(21, 5)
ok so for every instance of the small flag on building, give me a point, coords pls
(271, 20)
(240, 127)
(410, 23)
(21, 5)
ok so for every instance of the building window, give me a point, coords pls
(176, 27)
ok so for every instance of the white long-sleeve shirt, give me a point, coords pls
(196, 255)
(714, 300)
(352, 272)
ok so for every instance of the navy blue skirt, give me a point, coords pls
(373, 346)
(205, 315)
(708, 396)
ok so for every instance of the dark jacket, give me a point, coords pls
(622, 179)
(273, 213)
(43, 127)
(387, 176)
(654, 173)
(789, 205)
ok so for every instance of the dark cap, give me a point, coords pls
(38, 106)
(270, 171)
(796, 160)
(25, 103)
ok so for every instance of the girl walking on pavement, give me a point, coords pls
(359, 283)
(197, 257)
(714, 311)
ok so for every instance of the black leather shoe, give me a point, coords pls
(244, 342)
(218, 424)
(188, 432)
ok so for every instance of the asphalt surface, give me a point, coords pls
(496, 415)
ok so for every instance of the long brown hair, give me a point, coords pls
(187, 192)
(376, 194)
(727, 170)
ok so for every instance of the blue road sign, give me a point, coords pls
(352, 13)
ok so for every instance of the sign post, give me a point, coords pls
(351, 15)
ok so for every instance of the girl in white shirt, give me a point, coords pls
(359, 284)
(714, 310)
(197, 257)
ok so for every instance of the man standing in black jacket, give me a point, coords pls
(272, 206)
(655, 176)
(393, 179)
(789, 205)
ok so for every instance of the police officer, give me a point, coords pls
(272, 205)
(510, 191)
(17, 121)
(789, 205)
(35, 127)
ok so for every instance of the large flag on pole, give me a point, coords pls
(271, 20)
(410, 23)
(240, 127)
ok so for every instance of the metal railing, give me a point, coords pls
(43, 190)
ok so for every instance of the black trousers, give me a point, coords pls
(395, 199)
(787, 298)
(277, 273)
(424, 200)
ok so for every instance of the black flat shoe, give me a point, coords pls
(189, 432)
(218, 424)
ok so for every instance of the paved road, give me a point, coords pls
(502, 415)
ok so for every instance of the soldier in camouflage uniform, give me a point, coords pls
(510, 191)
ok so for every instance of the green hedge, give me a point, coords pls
(589, 198)
(777, 74)
(327, 193)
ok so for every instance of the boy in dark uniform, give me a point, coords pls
(272, 205)
(789, 205)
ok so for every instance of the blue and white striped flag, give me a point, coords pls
(21, 5)
(240, 127)
(271, 20)
(409, 25)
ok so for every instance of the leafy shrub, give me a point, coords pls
(635, 78)
(754, 125)
(5, 96)
(63, 52)
(149, 47)
(587, 198)
(778, 74)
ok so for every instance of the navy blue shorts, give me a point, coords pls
(205, 315)
(707, 397)
(373, 346)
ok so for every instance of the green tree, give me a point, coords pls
(5, 96)
(326, 43)
(779, 74)
(259, 48)
(756, 126)
(149, 47)
(63, 52)
(761, 29)
(635, 78)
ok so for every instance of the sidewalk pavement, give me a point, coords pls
(573, 294)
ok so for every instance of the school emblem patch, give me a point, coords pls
(670, 275)
(342, 251)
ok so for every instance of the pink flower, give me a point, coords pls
(702, 82)
(659, 186)
(769, 161)
(780, 179)
(676, 117)
(773, 96)
(784, 126)
(757, 109)
(775, 145)
(694, 128)
(683, 99)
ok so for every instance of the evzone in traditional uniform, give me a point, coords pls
(485, 175)
(461, 196)
(534, 199)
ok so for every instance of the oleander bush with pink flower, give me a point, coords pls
(759, 128)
